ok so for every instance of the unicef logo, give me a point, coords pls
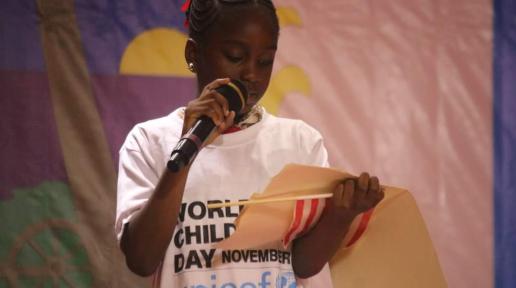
(286, 280)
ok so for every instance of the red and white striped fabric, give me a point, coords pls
(306, 215)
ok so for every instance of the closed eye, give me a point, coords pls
(266, 62)
(234, 59)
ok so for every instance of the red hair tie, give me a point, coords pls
(186, 9)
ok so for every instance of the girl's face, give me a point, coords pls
(240, 45)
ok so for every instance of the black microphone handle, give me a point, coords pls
(190, 144)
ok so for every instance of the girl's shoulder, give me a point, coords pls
(154, 129)
(290, 126)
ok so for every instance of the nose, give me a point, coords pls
(249, 73)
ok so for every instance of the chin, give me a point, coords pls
(243, 114)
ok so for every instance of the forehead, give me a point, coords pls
(244, 23)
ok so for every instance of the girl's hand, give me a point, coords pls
(212, 104)
(313, 250)
(352, 197)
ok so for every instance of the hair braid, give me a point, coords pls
(202, 13)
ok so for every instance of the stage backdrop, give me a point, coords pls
(403, 89)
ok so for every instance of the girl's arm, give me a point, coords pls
(313, 250)
(146, 237)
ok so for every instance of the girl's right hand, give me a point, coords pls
(212, 104)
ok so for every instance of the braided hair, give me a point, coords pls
(202, 13)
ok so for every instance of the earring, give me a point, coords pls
(191, 67)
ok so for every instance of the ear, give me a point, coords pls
(191, 52)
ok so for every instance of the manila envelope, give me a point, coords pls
(395, 251)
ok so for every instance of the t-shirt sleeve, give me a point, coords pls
(136, 179)
(321, 279)
(312, 144)
(319, 155)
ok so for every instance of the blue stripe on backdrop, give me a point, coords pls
(505, 143)
(20, 40)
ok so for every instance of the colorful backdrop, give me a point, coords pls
(419, 92)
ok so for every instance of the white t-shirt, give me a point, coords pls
(233, 167)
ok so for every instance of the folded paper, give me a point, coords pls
(395, 251)
(385, 247)
(266, 224)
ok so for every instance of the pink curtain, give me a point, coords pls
(402, 89)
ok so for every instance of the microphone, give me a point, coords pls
(190, 144)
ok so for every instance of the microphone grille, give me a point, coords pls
(235, 93)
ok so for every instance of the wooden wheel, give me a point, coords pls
(48, 254)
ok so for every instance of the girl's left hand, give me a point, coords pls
(353, 197)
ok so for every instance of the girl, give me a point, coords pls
(162, 221)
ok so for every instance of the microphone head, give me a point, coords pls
(235, 93)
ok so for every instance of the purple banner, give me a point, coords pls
(505, 143)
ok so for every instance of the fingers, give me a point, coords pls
(211, 104)
(376, 193)
(217, 83)
(210, 92)
(230, 119)
(374, 184)
(363, 187)
(207, 107)
(222, 102)
(216, 133)
(215, 111)
(349, 192)
(343, 195)
(358, 194)
(338, 195)
(227, 122)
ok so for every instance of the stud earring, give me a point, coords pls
(191, 67)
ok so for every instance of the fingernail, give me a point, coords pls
(350, 183)
(226, 113)
(340, 188)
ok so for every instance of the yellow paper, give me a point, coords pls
(394, 252)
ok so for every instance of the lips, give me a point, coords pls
(250, 103)
(252, 97)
